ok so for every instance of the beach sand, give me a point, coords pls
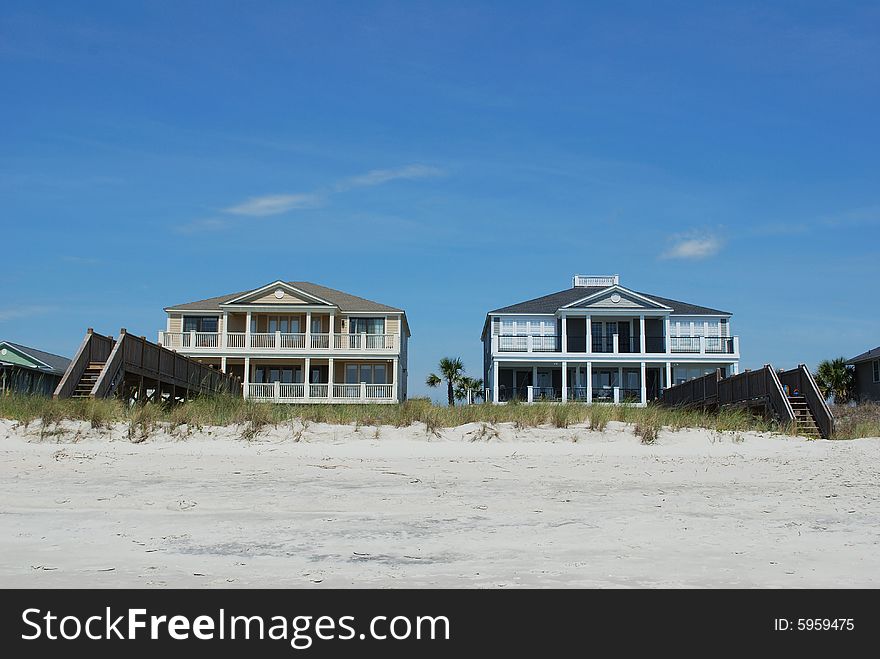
(339, 506)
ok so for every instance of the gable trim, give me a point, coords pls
(276, 284)
(616, 289)
(39, 363)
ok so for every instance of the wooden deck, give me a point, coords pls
(790, 396)
(136, 369)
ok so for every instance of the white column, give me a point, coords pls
(330, 373)
(666, 325)
(308, 331)
(331, 341)
(530, 394)
(734, 368)
(221, 340)
(223, 364)
(644, 385)
(564, 334)
(589, 335)
(564, 381)
(395, 380)
(307, 376)
(247, 330)
(589, 382)
(668, 374)
(247, 374)
(642, 335)
(615, 343)
(702, 345)
(495, 382)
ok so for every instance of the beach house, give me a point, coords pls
(601, 342)
(297, 342)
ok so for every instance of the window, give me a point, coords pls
(284, 374)
(272, 324)
(368, 373)
(877, 370)
(366, 326)
(200, 323)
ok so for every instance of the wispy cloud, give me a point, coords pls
(380, 176)
(199, 226)
(277, 204)
(14, 313)
(693, 247)
(274, 204)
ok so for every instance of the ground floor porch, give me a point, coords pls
(635, 383)
(315, 380)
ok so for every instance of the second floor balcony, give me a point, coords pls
(283, 342)
(616, 344)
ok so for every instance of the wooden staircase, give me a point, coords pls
(88, 380)
(804, 421)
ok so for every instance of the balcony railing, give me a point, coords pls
(615, 344)
(284, 341)
(280, 392)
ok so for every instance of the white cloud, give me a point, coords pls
(693, 247)
(198, 226)
(380, 176)
(274, 204)
(23, 312)
(281, 203)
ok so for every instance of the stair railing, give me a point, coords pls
(94, 348)
(801, 379)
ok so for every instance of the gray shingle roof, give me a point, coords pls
(57, 363)
(865, 356)
(553, 302)
(345, 301)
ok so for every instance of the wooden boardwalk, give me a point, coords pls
(790, 396)
(135, 369)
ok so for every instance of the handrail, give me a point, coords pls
(94, 348)
(801, 379)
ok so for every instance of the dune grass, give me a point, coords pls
(851, 422)
(227, 410)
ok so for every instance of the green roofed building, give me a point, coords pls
(29, 371)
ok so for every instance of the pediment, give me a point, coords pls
(278, 293)
(615, 297)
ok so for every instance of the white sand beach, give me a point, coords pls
(336, 506)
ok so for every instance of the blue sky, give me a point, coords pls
(448, 158)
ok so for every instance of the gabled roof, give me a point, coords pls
(549, 304)
(345, 301)
(866, 356)
(45, 360)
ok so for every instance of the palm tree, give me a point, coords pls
(451, 370)
(464, 384)
(835, 380)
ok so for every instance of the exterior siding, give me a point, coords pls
(866, 388)
(270, 298)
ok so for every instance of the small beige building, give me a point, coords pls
(297, 342)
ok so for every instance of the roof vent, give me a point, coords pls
(580, 281)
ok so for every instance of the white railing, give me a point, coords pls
(235, 339)
(346, 391)
(190, 339)
(261, 391)
(318, 390)
(534, 343)
(287, 390)
(379, 390)
(263, 340)
(293, 341)
(364, 341)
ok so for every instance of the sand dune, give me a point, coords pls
(337, 506)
